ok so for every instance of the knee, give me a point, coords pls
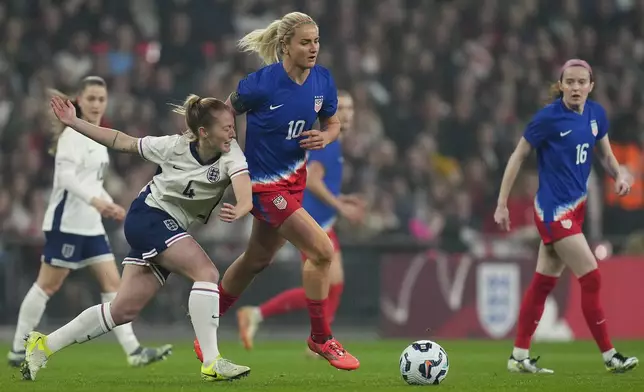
(257, 261)
(123, 312)
(50, 287)
(321, 253)
(210, 274)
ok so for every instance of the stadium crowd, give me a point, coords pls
(442, 91)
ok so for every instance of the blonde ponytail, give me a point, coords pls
(267, 42)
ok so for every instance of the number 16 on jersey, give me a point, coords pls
(582, 153)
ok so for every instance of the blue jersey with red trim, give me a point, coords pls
(564, 140)
(278, 111)
(330, 158)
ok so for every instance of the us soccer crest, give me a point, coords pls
(593, 127)
(213, 173)
(280, 202)
(319, 100)
(497, 297)
(68, 250)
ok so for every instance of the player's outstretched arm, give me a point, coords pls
(110, 138)
(349, 207)
(242, 189)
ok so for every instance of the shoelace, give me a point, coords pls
(336, 348)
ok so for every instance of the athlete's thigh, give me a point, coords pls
(576, 254)
(301, 230)
(187, 258)
(107, 275)
(548, 262)
(264, 242)
(336, 270)
(139, 284)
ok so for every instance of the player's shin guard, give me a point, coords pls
(203, 305)
(124, 333)
(335, 294)
(593, 312)
(31, 311)
(90, 324)
(532, 307)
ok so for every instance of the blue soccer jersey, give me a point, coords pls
(331, 159)
(564, 140)
(278, 111)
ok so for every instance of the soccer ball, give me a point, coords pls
(424, 363)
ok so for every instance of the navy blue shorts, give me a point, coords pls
(75, 251)
(150, 231)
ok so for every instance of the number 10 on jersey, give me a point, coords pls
(295, 129)
(582, 153)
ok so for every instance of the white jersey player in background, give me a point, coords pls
(195, 170)
(74, 232)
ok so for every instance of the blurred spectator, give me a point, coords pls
(442, 91)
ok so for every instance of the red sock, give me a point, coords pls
(335, 293)
(320, 329)
(226, 301)
(534, 301)
(592, 309)
(284, 302)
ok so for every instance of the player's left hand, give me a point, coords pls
(228, 213)
(623, 184)
(314, 140)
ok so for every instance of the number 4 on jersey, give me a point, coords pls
(582, 153)
(189, 192)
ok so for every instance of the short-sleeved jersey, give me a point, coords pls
(80, 162)
(564, 141)
(331, 159)
(185, 187)
(278, 111)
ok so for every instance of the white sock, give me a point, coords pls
(90, 324)
(31, 311)
(124, 333)
(520, 353)
(203, 305)
(608, 355)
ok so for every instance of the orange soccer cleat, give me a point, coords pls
(197, 348)
(332, 351)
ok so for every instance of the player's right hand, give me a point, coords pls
(108, 209)
(353, 212)
(63, 109)
(502, 217)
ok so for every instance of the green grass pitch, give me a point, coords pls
(282, 366)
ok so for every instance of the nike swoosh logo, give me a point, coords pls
(215, 317)
(562, 134)
(177, 167)
(275, 107)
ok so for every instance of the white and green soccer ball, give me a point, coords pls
(424, 363)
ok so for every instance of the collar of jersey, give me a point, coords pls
(567, 109)
(195, 154)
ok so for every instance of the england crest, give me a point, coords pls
(497, 297)
(68, 250)
(213, 173)
(593, 127)
(319, 99)
(280, 202)
(171, 224)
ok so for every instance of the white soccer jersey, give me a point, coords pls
(185, 187)
(78, 177)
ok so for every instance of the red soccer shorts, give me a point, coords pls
(568, 225)
(274, 207)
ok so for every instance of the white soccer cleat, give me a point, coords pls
(147, 356)
(36, 356)
(223, 370)
(621, 364)
(15, 358)
(248, 320)
(527, 365)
